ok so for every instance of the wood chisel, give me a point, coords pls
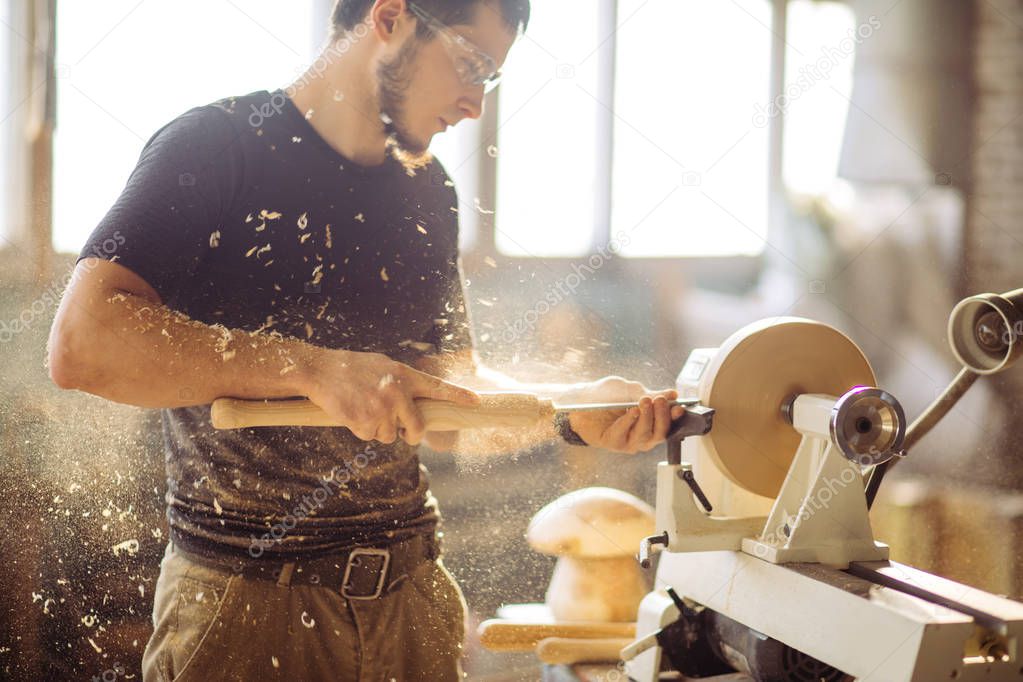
(493, 411)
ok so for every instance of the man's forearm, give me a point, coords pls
(133, 351)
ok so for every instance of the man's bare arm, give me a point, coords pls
(114, 338)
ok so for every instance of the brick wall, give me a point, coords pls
(995, 210)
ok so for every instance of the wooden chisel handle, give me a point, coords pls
(568, 650)
(494, 410)
(498, 634)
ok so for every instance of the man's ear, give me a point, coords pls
(387, 16)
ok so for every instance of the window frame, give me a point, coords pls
(719, 271)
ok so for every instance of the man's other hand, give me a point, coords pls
(630, 431)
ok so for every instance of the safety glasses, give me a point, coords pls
(474, 66)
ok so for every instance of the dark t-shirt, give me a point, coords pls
(254, 222)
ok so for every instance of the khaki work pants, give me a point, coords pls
(212, 624)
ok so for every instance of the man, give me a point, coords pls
(271, 246)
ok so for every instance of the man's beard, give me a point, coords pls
(393, 78)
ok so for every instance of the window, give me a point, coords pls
(689, 169)
(651, 118)
(125, 68)
(690, 164)
(547, 134)
(818, 77)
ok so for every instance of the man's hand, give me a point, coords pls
(629, 431)
(373, 395)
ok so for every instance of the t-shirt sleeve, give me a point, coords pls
(167, 215)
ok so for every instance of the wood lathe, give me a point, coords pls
(782, 578)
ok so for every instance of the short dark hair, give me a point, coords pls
(348, 13)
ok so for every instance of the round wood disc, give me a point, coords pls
(756, 370)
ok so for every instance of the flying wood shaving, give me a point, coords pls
(225, 338)
(130, 547)
(303, 221)
(266, 325)
(361, 218)
(214, 239)
(383, 275)
(329, 244)
(421, 346)
(421, 229)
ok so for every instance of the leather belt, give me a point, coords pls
(359, 573)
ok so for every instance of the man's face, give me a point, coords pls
(420, 88)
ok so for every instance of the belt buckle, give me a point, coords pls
(364, 564)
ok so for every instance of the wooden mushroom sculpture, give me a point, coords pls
(595, 533)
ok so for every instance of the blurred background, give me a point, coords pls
(650, 176)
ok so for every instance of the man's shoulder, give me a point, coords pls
(221, 117)
(200, 125)
(216, 129)
(251, 109)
